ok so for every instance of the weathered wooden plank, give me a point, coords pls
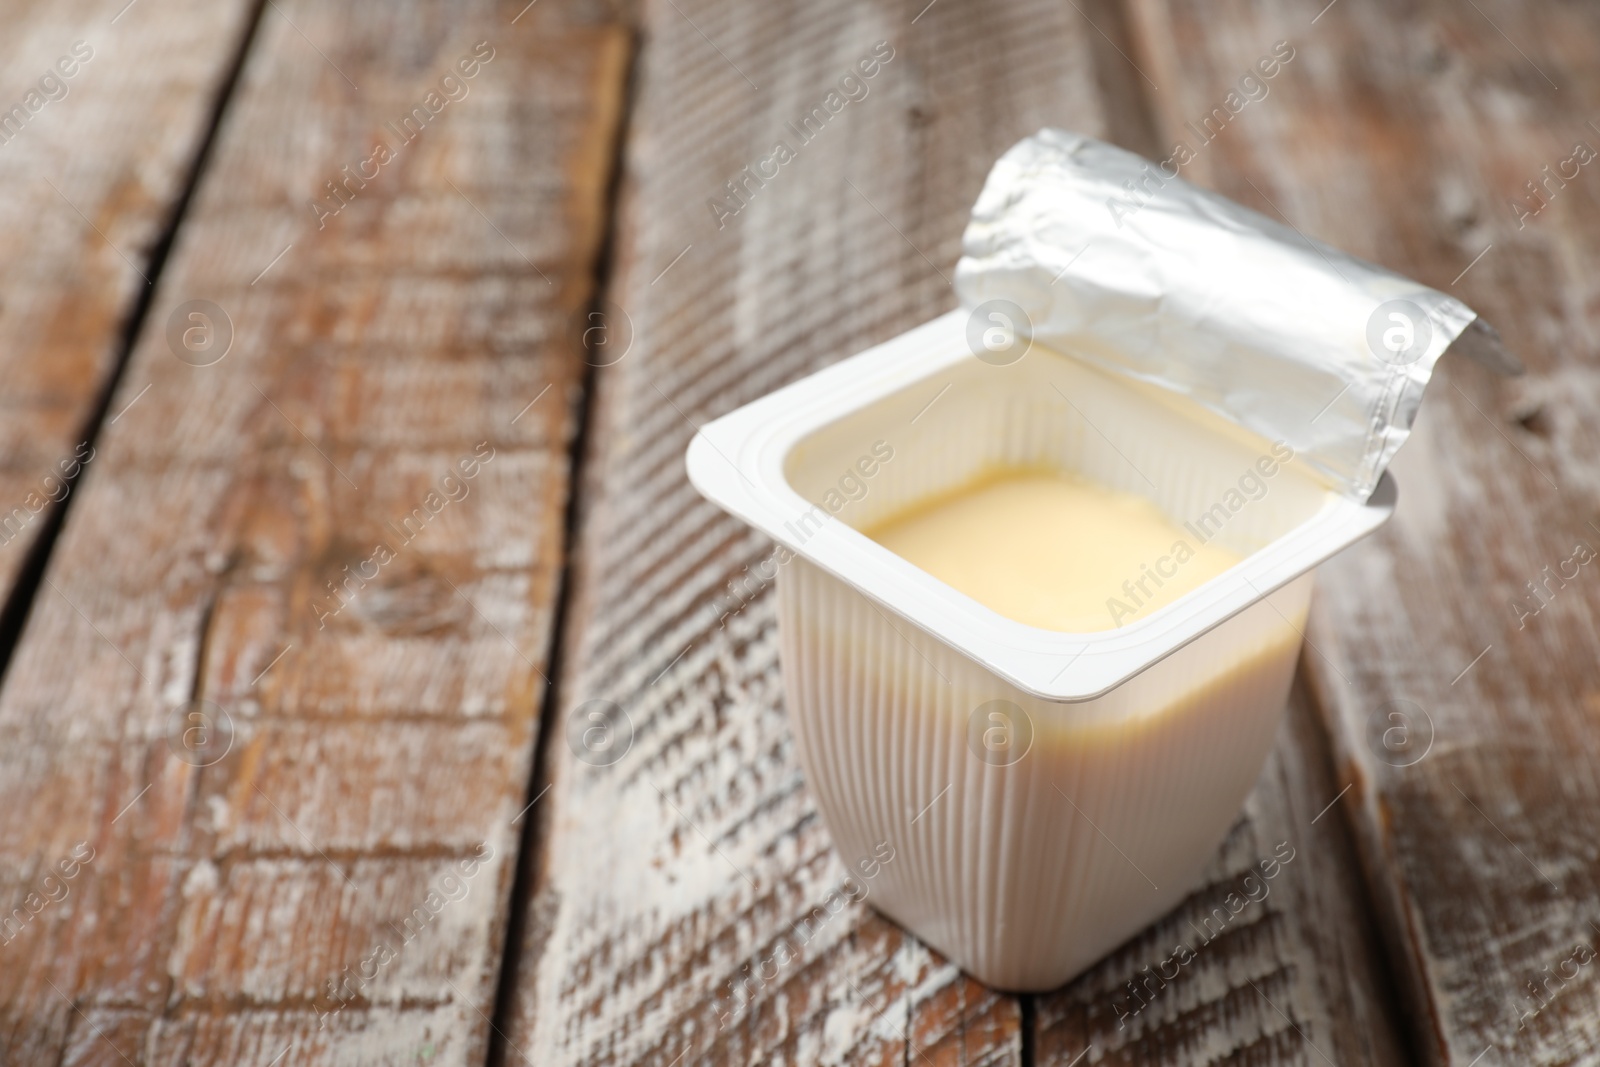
(96, 146)
(1461, 699)
(342, 533)
(678, 845)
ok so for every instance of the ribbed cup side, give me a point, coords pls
(1024, 874)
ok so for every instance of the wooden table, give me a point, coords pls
(327, 517)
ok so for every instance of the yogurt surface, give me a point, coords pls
(1053, 550)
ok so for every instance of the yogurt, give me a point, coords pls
(1052, 550)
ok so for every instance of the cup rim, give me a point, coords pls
(737, 463)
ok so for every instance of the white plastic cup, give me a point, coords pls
(1047, 794)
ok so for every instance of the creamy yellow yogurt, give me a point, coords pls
(1053, 550)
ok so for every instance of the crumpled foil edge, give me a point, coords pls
(1109, 259)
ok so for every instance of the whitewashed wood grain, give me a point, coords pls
(93, 164)
(1408, 136)
(380, 752)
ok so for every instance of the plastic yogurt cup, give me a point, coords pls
(1047, 793)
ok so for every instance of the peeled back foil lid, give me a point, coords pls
(1097, 253)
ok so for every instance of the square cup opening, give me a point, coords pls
(818, 461)
(1047, 413)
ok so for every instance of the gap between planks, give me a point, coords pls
(14, 613)
(532, 838)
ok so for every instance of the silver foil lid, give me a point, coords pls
(1105, 257)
